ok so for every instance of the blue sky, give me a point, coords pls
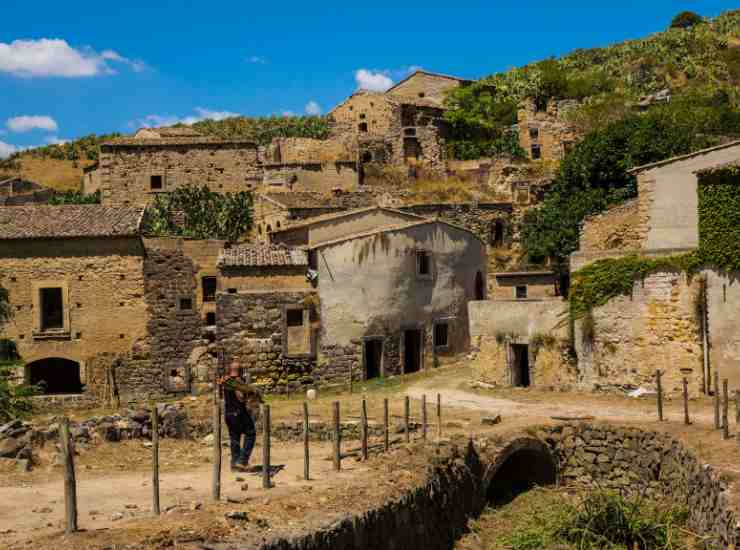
(72, 68)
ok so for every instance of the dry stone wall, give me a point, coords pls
(617, 229)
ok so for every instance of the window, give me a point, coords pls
(185, 304)
(155, 183)
(367, 156)
(294, 317)
(363, 127)
(441, 335)
(536, 152)
(480, 287)
(313, 262)
(421, 94)
(362, 116)
(423, 263)
(210, 318)
(521, 292)
(534, 133)
(52, 308)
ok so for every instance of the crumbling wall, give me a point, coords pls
(617, 229)
(320, 177)
(549, 129)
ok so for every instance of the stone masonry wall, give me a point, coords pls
(617, 229)
(553, 132)
(125, 171)
(656, 327)
(251, 329)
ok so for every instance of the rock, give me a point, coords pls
(245, 486)
(12, 425)
(147, 444)
(43, 510)
(208, 440)
(115, 516)
(196, 506)
(241, 516)
(491, 420)
(311, 394)
(23, 465)
(239, 478)
(26, 453)
(131, 507)
(9, 447)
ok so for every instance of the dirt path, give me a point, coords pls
(105, 499)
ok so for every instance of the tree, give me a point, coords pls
(14, 399)
(686, 20)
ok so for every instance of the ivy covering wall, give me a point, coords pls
(719, 248)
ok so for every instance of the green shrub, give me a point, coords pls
(686, 20)
(75, 197)
(14, 399)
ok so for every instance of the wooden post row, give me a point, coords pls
(266, 483)
(716, 401)
(686, 419)
(659, 386)
(216, 483)
(155, 460)
(439, 417)
(424, 417)
(306, 475)
(363, 429)
(337, 438)
(386, 435)
(70, 480)
(725, 410)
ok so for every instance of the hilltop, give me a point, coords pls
(702, 59)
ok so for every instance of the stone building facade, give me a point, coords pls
(545, 133)
(132, 170)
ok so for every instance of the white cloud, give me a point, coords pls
(26, 123)
(6, 149)
(313, 108)
(155, 121)
(54, 140)
(376, 81)
(54, 57)
(258, 60)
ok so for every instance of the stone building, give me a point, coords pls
(658, 326)
(382, 292)
(16, 191)
(546, 133)
(132, 170)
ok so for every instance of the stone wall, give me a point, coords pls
(320, 177)
(126, 170)
(620, 229)
(294, 150)
(379, 112)
(252, 330)
(430, 87)
(623, 342)
(643, 463)
(548, 129)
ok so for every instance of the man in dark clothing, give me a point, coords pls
(239, 420)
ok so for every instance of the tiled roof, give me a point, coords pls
(305, 199)
(346, 213)
(70, 221)
(719, 167)
(254, 255)
(638, 169)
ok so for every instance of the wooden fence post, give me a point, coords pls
(659, 385)
(686, 419)
(439, 417)
(155, 460)
(363, 428)
(386, 437)
(716, 401)
(305, 441)
(216, 484)
(70, 480)
(266, 483)
(725, 410)
(406, 414)
(337, 438)
(737, 415)
(424, 417)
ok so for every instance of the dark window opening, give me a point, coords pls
(421, 94)
(278, 224)
(55, 376)
(412, 349)
(534, 133)
(269, 229)
(210, 337)
(209, 289)
(410, 132)
(497, 233)
(155, 182)
(186, 304)
(480, 287)
(411, 148)
(521, 292)
(52, 308)
(362, 116)
(232, 291)
(423, 263)
(521, 471)
(367, 156)
(373, 358)
(520, 366)
(294, 317)
(441, 335)
(313, 261)
(211, 318)
(536, 152)
(362, 127)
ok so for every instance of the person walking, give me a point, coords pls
(239, 418)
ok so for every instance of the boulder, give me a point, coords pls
(9, 447)
(12, 425)
(491, 420)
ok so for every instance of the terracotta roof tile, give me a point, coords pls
(254, 255)
(305, 199)
(69, 221)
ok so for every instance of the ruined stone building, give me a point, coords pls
(359, 294)
(16, 191)
(132, 170)
(546, 133)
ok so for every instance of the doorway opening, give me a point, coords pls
(522, 470)
(480, 287)
(55, 376)
(373, 358)
(412, 348)
(520, 365)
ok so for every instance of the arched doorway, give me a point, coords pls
(55, 375)
(480, 287)
(524, 468)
